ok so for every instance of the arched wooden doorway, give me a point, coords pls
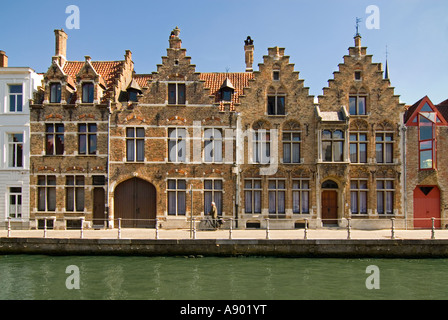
(329, 205)
(135, 203)
(426, 206)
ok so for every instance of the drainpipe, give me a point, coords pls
(404, 130)
(108, 163)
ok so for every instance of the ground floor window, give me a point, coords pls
(252, 195)
(46, 193)
(385, 193)
(358, 196)
(177, 197)
(212, 193)
(74, 193)
(277, 199)
(301, 196)
(15, 202)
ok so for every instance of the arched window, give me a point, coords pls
(329, 184)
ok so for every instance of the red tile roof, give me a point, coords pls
(239, 80)
(108, 70)
(142, 79)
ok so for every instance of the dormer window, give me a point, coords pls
(87, 92)
(55, 93)
(227, 90)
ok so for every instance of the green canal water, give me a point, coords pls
(245, 278)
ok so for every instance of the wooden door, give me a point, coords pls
(99, 217)
(426, 206)
(135, 204)
(329, 207)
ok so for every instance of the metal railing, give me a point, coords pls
(198, 224)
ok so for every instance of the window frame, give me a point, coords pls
(180, 143)
(90, 86)
(216, 144)
(13, 150)
(357, 98)
(261, 145)
(46, 192)
(333, 145)
(277, 192)
(137, 142)
(18, 205)
(74, 193)
(299, 193)
(58, 139)
(360, 194)
(357, 144)
(178, 99)
(383, 193)
(277, 97)
(55, 97)
(432, 141)
(383, 144)
(16, 96)
(215, 193)
(291, 143)
(85, 137)
(250, 196)
(177, 193)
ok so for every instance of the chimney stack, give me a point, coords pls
(3, 59)
(249, 53)
(175, 42)
(61, 46)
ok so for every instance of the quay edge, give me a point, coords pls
(382, 248)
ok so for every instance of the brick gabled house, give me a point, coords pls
(69, 139)
(426, 171)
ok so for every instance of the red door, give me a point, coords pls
(426, 206)
(329, 207)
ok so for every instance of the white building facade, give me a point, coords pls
(17, 86)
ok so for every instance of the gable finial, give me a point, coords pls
(358, 20)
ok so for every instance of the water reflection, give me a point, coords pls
(120, 278)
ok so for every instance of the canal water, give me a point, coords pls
(205, 278)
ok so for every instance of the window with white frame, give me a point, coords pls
(301, 196)
(15, 150)
(252, 196)
(135, 144)
(213, 193)
(74, 193)
(15, 202)
(15, 98)
(46, 193)
(358, 196)
(177, 145)
(212, 145)
(385, 194)
(177, 197)
(277, 197)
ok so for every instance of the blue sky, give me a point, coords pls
(316, 35)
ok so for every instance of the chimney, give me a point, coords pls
(61, 46)
(3, 59)
(249, 53)
(175, 42)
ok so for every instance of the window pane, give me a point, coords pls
(338, 151)
(363, 153)
(286, 153)
(361, 105)
(257, 201)
(380, 202)
(326, 151)
(281, 202)
(281, 105)
(172, 93)
(70, 199)
(140, 150)
(130, 133)
(389, 153)
(354, 201)
(92, 143)
(130, 152)
(352, 105)
(248, 201)
(181, 93)
(426, 132)
(338, 134)
(305, 202)
(296, 202)
(51, 199)
(171, 202)
(272, 202)
(218, 184)
(296, 153)
(140, 132)
(363, 202)
(15, 88)
(181, 184)
(82, 144)
(181, 203)
(426, 159)
(271, 105)
(326, 134)
(353, 152)
(379, 153)
(79, 199)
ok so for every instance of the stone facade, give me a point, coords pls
(114, 147)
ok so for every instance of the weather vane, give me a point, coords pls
(358, 20)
